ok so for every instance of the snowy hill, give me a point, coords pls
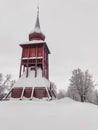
(64, 114)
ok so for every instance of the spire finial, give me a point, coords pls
(37, 30)
(37, 24)
(38, 10)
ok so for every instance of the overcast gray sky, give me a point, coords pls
(71, 29)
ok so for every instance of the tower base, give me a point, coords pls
(32, 87)
(30, 93)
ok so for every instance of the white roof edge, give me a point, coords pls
(34, 42)
(40, 57)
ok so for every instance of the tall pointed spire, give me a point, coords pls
(37, 24)
(37, 34)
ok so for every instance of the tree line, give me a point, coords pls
(81, 87)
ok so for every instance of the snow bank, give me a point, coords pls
(45, 115)
(65, 100)
(32, 81)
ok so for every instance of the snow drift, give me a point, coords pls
(31, 80)
(64, 114)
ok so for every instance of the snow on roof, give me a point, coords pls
(40, 57)
(34, 42)
(36, 30)
(31, 80)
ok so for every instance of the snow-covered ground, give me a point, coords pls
(64, 114)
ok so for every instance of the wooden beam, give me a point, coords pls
(23, 68)
(36, 61)
(43, 61)
(32, 94)
(49, 97)
(47, 67)
(22, 94)
(20, 69)
(28, 62)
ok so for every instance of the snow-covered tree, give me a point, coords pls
(81, 86)
(61, 94)
(96, 95)
(5, 84)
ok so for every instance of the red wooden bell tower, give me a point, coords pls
(34, 68)
(35, 53)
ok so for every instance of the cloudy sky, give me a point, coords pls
(71, 29)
